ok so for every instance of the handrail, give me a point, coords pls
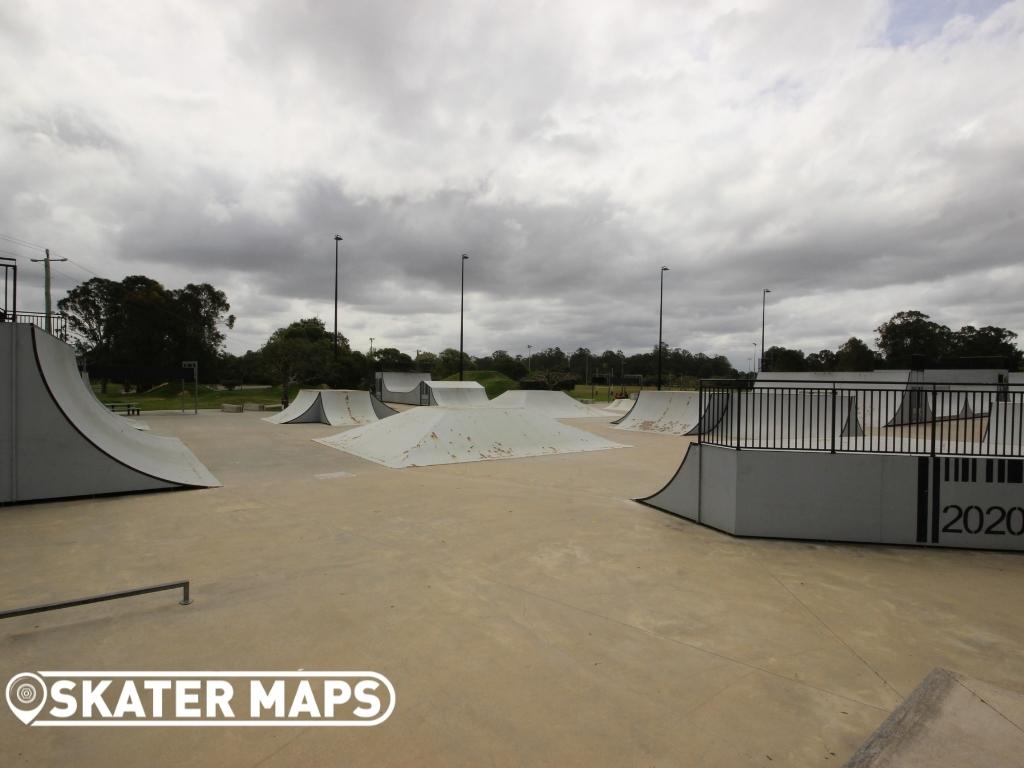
(182, 585)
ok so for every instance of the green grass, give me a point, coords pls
(168, 397)
(495, 383)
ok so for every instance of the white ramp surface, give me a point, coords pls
(427, 436)
(59, 441)
(304, 409)
(670, 413)
(550, 403)
(400, 386)
(620, 405)
(1005, 426)
(336, 407)
(456, 394)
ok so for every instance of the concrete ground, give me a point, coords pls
(527, 612)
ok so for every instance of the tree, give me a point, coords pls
(550, 359)
(782, 359)
(201, 310)
(390, 359)
(138, 323)
(911, 333)
(425, 361)
(92, 308)
(854, 355)
(447, 364)
(302, 352)
(823, 361)
(504, 363)
(988, 341)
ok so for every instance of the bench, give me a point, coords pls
(129, 409)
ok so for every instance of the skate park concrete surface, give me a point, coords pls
(526, 611)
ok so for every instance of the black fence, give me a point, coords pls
(919, 419)
(58, 325)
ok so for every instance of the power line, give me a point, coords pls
(23, 243)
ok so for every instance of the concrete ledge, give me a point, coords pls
(230, 408)
(252, 407)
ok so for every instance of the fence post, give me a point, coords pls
(700, 411)
(833, 420)
(935, 408)
(737, 393)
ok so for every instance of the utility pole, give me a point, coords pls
(529, 358)
(462, 313)
(661, 305)
(764, 298)
(48, 321)
(337, 239)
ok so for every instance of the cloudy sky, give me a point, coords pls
(858, 158)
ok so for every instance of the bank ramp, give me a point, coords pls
(335, 407)
(428, 436)
(58, 441)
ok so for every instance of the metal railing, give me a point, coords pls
(58, 322)
(920, 419)
(182, 585)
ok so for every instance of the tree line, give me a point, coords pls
(909, 339)
(141, 326)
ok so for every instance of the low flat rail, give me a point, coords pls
(182, 585)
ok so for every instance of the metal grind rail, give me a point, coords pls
(182, 585)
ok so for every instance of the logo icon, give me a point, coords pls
(26, 696)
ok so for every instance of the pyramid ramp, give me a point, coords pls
(454, 394)
(427, 436)
(336, 407)
(550, 403)
(60, 442)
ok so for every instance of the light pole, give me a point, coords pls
(764, 299)
(462, 312)
(371, 345)
(661, 305)
(337, 239)
(529, 358)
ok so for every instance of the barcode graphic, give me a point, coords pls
(958, 470)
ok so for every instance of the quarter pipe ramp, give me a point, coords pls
(620, 405)
(454, 394)
(58, 441)
(427, 436)
(336, 407)
(673, 413)
(399, 387)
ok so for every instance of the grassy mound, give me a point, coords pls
(493, 382)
